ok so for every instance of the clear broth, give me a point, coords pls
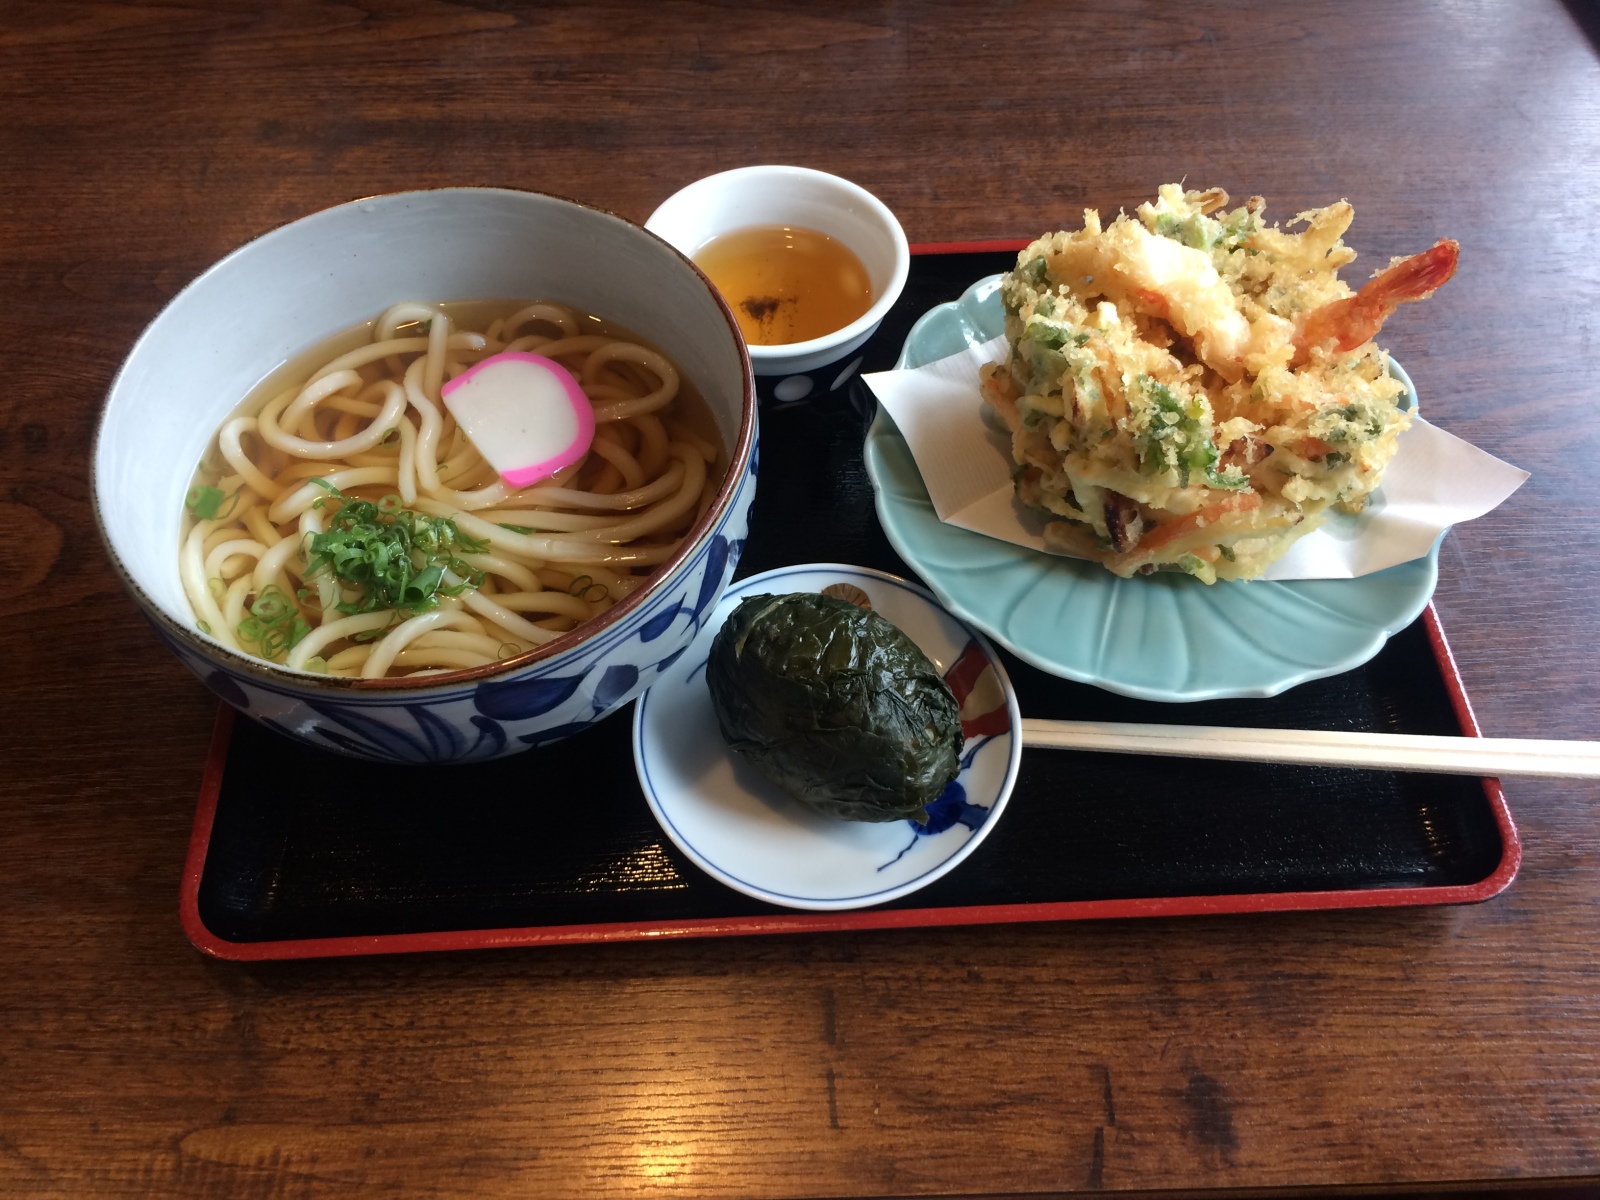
(689, 406)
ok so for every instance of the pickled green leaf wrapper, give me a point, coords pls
(835, 705)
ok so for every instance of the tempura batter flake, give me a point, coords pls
(1192, 389)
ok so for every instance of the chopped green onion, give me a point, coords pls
(578, 585)
(274, 625)
(390, 557)
(333, 492)
(270, 605)
(420, 587)
(206, 503)
(518, 528)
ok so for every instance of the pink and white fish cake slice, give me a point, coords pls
(525, 413)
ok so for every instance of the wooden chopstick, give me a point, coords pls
(1534, 758)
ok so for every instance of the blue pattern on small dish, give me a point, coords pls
(1160, 637)
(746, 832)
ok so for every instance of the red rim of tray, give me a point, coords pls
(804, 922)
(991, 247)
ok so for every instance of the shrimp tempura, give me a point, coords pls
(1192, 389)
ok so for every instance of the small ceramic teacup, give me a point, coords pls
(796, 196)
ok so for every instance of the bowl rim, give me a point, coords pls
(738, 460)
(867, 321)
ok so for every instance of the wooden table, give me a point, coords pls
(1388, 1049)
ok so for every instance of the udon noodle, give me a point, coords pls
(346, 525)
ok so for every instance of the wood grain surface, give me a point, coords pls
(1379, 1049)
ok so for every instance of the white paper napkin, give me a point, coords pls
(1435, 479)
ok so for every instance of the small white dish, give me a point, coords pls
(745, 831)
(797, 196)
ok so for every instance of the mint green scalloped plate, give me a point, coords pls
(1158, 637)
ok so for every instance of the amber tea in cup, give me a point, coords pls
(818, 357)
(786, 283)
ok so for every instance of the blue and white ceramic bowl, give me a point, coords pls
(296, 286)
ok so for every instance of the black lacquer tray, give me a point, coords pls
(558, 845)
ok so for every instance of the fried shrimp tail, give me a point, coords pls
(1346, 324)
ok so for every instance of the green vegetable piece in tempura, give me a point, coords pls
(835, 705)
